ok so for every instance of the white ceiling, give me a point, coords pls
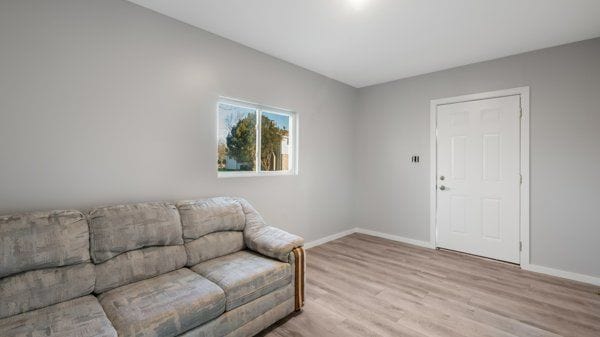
(364, 42)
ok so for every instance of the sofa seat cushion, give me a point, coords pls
(166, 305)
(245, 276)
(75, 318)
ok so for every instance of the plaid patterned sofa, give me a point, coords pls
(200, 268)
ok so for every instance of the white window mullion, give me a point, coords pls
(258, 139)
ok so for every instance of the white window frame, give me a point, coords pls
(293, 137)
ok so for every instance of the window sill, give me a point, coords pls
(255, 174)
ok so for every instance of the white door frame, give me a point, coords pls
(523, 92)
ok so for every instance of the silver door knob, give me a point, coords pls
(442, 187)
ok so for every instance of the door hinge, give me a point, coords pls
(520, 179)
(520, 109)
(520, 246)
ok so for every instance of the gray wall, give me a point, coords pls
(393, 124)
(104, 102)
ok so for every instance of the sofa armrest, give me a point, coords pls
(272, 242)
(262, 238)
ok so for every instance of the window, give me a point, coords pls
(254, 140)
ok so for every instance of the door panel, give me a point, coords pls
(478, 158)
(458, 214)
(491, 157)
(491, 211)
(459, 157)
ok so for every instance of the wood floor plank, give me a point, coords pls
(361, 285)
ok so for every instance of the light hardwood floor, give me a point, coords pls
(361, 285)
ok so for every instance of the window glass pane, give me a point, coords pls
(275, 149)
(237, 138)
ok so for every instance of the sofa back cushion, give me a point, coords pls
(213, 245)
(130, 243)
(211, 228)
(40, 288)
(118, 229)
(44, 260)
(137, 265)
(201, 217)
(42, 240)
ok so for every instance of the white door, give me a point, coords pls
(478, 177)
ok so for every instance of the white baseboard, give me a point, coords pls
(562, 273)
(531, 267)
(329, 238)
(368, 232)
(398, 238)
